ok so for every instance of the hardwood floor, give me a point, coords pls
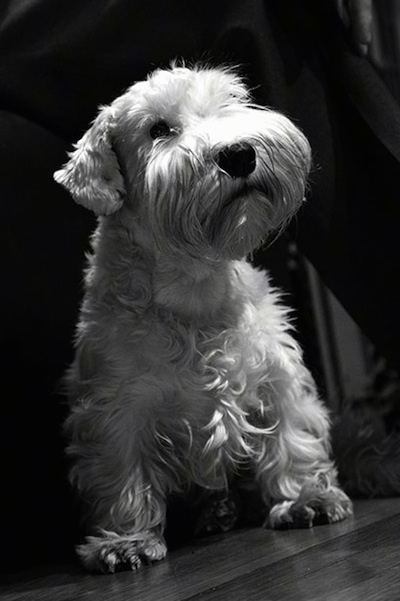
(356, 560)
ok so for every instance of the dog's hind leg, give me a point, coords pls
(294, 468)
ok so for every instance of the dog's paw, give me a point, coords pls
(318, 503)
(112, 552)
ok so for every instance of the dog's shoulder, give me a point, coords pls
(262, 302)
(252, 282)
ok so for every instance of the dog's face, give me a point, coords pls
(202, 169)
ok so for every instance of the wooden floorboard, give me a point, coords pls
(355, 560)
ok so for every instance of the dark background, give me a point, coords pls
(58, 62)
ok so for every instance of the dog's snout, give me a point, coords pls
(238, 160)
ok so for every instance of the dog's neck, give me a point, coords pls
(191, 289)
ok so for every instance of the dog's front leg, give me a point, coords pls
(295, 469)
(113, 551)
(124, 501)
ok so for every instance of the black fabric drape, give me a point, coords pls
(58, 61)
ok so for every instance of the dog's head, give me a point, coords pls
(201, 168)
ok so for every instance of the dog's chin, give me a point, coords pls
(241, 223)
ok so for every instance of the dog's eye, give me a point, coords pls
(161, 129)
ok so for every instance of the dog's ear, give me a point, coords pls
(92, 174)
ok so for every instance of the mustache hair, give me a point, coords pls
(209, 209)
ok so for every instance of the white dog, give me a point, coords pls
(185, 365)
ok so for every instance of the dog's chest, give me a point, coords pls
(216, 381)
(227, 356)
(206, 364)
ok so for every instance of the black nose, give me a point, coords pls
(238, 160)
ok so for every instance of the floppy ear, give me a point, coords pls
(92, 174)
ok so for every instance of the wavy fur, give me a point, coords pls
(185, 367)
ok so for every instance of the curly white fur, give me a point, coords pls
(185, 364)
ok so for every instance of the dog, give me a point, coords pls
(186, 369)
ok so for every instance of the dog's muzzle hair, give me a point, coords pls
(232, 188)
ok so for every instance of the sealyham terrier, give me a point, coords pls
(186, 369)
